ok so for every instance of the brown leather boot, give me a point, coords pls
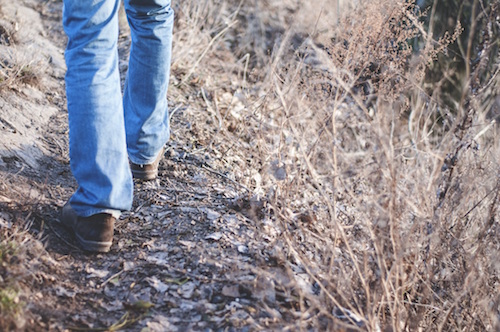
(147, 171)
(94, 233)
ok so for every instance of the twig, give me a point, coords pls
(479, 202)
(173, 112)
(482, 132)
(110, 278)
(120, 324)
(205, 167)
(193, 68)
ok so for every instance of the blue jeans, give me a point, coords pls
(106, 128)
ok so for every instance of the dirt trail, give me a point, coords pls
(183, 259)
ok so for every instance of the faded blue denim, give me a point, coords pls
(106, 127)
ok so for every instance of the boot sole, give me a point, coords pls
(94, 246)
(141, 175)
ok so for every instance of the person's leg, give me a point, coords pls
(98, 154)
(145, 95)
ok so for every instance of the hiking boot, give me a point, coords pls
(147, 171)
(94, 233)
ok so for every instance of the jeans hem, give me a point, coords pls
(147, 162)
(115, 213)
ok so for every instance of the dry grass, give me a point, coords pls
(11, 308)
(24, 58)
(19, 252)
(387, 202)
(16, 69)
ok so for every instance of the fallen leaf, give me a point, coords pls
(189, 244)
(160, 324)
(157, 284)
(128, 266)
(93, 273)
(63, 292)
(113, 306)
(187, 290)
(139, 305)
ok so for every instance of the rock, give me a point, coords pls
(212, 215)
(231, 291)
(215, 236)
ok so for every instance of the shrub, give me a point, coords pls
(387, 200)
